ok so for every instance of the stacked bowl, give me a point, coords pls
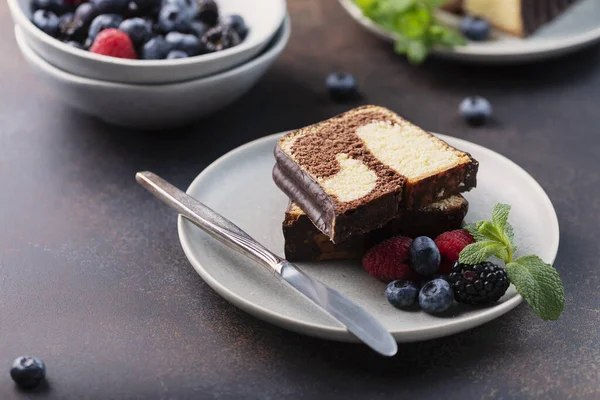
(155, 93)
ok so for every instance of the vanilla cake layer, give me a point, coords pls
(519, 17)
(354, 172)
(304, 242)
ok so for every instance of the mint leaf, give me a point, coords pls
(416, 51)
(478, 252)
(510, 234)
(473, 229)
(434, 3)
(414, 23)
(500, 216)
(539, 284)
(491, 232)
(400, 6)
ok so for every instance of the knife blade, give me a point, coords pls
(357, 320)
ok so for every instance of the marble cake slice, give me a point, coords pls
(353, 173)
(518, 17)
(304, 242)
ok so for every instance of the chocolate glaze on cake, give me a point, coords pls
(304, 242)
(353, 173)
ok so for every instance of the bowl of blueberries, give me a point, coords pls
(147, 41)
(158, 106)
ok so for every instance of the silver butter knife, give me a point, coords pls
(357, 320)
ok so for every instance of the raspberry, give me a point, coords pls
(389, 260)
(112, 42)
(450, 244)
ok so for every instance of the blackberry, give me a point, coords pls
(479, 283)
(219, 38)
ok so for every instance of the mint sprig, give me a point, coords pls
(414, 25)
(535, 280)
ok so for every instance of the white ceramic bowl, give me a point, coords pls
(155, 106)
(263, 17)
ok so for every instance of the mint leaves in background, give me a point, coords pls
(414, 24)
(538, 282)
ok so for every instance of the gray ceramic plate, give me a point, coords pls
(576, 28)
(239, 186)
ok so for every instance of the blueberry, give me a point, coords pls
(138, 30)
(173, 54)
(102, 22)
(475, 28)
(475, 110)
(199, 28)
(58, 7)
(86, 12)
(47, 21)
(236, 22)
(401, 294)
(183, 4)
(110, 6)
(172, 18)
(424, 256)
(189, 44)
(208, 12)
(156, 48)
(28, 372)
(436, 296)
(341, 86)
(219, 38)
(436, 276)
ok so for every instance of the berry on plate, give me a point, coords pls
(220, 38)
(436, 296)
(389, 260)
(115, 43)
(482, 283)
(102, 22)
(424, 256)
(402, 294)
(28, 372)
(450, 244)
(47, 21)
(138, 30)
(475, 110)
(341, 86)
(72, 29)
(475, 28)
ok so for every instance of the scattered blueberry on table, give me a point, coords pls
(475, 28)
(28, 372)
(475, 110)
(156, 28)
(341, 86)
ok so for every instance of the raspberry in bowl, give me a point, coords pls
(206, 36)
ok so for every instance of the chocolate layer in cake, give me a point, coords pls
(355, 172)
(304, 242)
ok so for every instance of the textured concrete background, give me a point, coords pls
(93, 279)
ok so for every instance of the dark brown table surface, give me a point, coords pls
(94, 281)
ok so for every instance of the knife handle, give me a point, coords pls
(208, 220)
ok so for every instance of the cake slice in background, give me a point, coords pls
(518, 17)
(304, 242)
(353, 173)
